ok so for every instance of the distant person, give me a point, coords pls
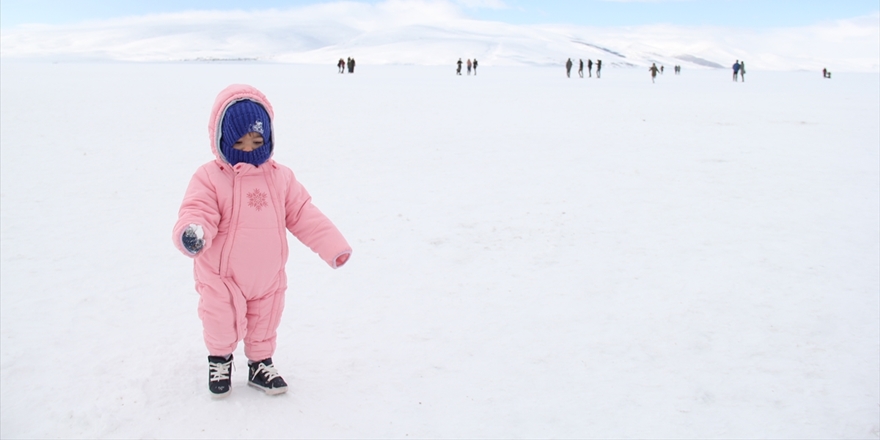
(742, 71)
(661, 69)
(736, 71)
(826, 73)
(581, 68)
(475, 67)
(351, 69)
(598, 68)
(590, 67)
(653, 69)
(239, 252)
(469, 66)
(568, 65)
(348, 64)
(341, 65)
(458, 71)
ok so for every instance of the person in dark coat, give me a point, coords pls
(598, 68)
(341, 65)
(653, 69)
(475, 67)
(568, 65)
(581, 68)
(736, 70)
(458, 71)
(590, 67)
(742, 71)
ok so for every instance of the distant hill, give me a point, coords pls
(322, 35)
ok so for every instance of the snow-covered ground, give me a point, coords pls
(534, 256)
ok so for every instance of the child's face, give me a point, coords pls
(249, 142)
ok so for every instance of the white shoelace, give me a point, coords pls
(219, 371)
(269, 370)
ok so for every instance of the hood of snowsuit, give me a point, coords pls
(227, 97)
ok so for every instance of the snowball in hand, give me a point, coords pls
(193, 239)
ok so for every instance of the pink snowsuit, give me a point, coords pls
(244, 210)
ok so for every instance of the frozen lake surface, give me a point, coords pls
(534, 256)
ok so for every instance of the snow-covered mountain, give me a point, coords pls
(437, 33)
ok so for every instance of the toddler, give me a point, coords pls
(232, 222)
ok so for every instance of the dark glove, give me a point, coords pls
(193, 239)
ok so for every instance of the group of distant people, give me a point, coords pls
(569, 64)
(654, 70)
(343, 65)
(470, 65)
(739, 69)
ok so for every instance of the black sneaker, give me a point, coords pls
(219, 375)
(264, 376)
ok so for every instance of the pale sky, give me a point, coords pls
(727, 13)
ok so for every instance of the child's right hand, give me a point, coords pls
(193, 238)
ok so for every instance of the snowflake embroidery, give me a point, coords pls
(257, 127)
(257, 199)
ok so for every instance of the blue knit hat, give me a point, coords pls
(241, 118)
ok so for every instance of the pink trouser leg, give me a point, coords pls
(218, 319)
(263, 317)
